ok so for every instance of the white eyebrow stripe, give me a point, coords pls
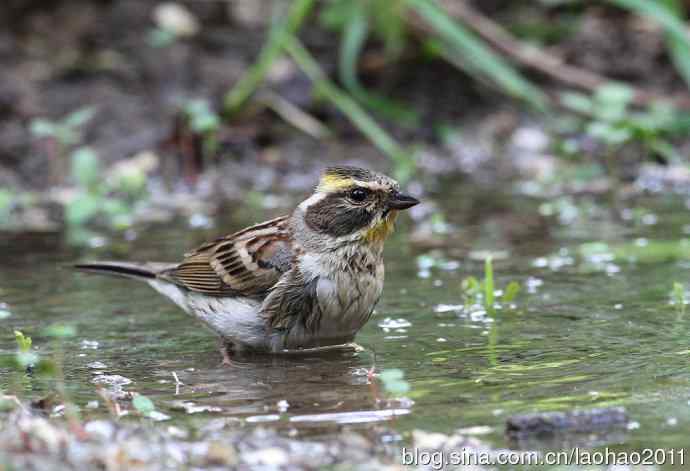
(371, 185)
(313, 199)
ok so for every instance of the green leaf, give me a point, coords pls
(611, 101)
(608, 133)
(81, 209)
(40, 127)
(391, 374)
(511, 291)
(79, 117)
(23, 342)
(471, 286)
(205, 123)
(143, 404)
(578, 102)
(461, 43)
(160, 38)
(613, 93)
(85, 167)
(60, 331)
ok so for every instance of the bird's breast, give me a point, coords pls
(347, 297)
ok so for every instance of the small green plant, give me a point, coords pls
(23, 342)
(394, 382)
(67, 131)
(203, 121)
(678, 298)
(143, 405)
(110, 199)
(63, 135)
(484, 292)
(607, 118)
(25, 358)
(95, 197)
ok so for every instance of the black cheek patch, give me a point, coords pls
(330, 216)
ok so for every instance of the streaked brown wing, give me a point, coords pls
(247, 263)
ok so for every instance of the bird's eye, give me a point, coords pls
(358, 195)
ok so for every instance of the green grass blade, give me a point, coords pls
(489, 284)
(658, 12)
(678, 45)
(256, 74)
(354, 38)
(360, 118)
(479, 56)
(355, 34)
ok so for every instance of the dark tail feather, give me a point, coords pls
(140, 271)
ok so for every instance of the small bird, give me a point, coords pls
(307, 280)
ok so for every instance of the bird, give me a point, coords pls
(307, 280)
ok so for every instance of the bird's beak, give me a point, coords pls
(402, 201)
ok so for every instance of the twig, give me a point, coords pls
(295, 116)
(535, 58)
(178, 383)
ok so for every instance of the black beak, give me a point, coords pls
(401, 201)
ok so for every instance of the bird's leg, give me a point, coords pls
(225, 347)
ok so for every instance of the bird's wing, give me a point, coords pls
(246, 263)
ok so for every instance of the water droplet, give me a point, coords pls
(389, 323)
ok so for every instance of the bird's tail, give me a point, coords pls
(139, 271)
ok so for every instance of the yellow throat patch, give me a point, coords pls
(380, 232)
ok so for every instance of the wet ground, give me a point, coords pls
(592, 327)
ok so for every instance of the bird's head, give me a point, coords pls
(354, 204)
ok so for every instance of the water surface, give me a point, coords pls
(585, 332)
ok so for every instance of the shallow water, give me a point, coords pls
(586, 331)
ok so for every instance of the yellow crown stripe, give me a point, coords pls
(330, 183)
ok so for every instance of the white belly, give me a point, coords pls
(234, 319)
